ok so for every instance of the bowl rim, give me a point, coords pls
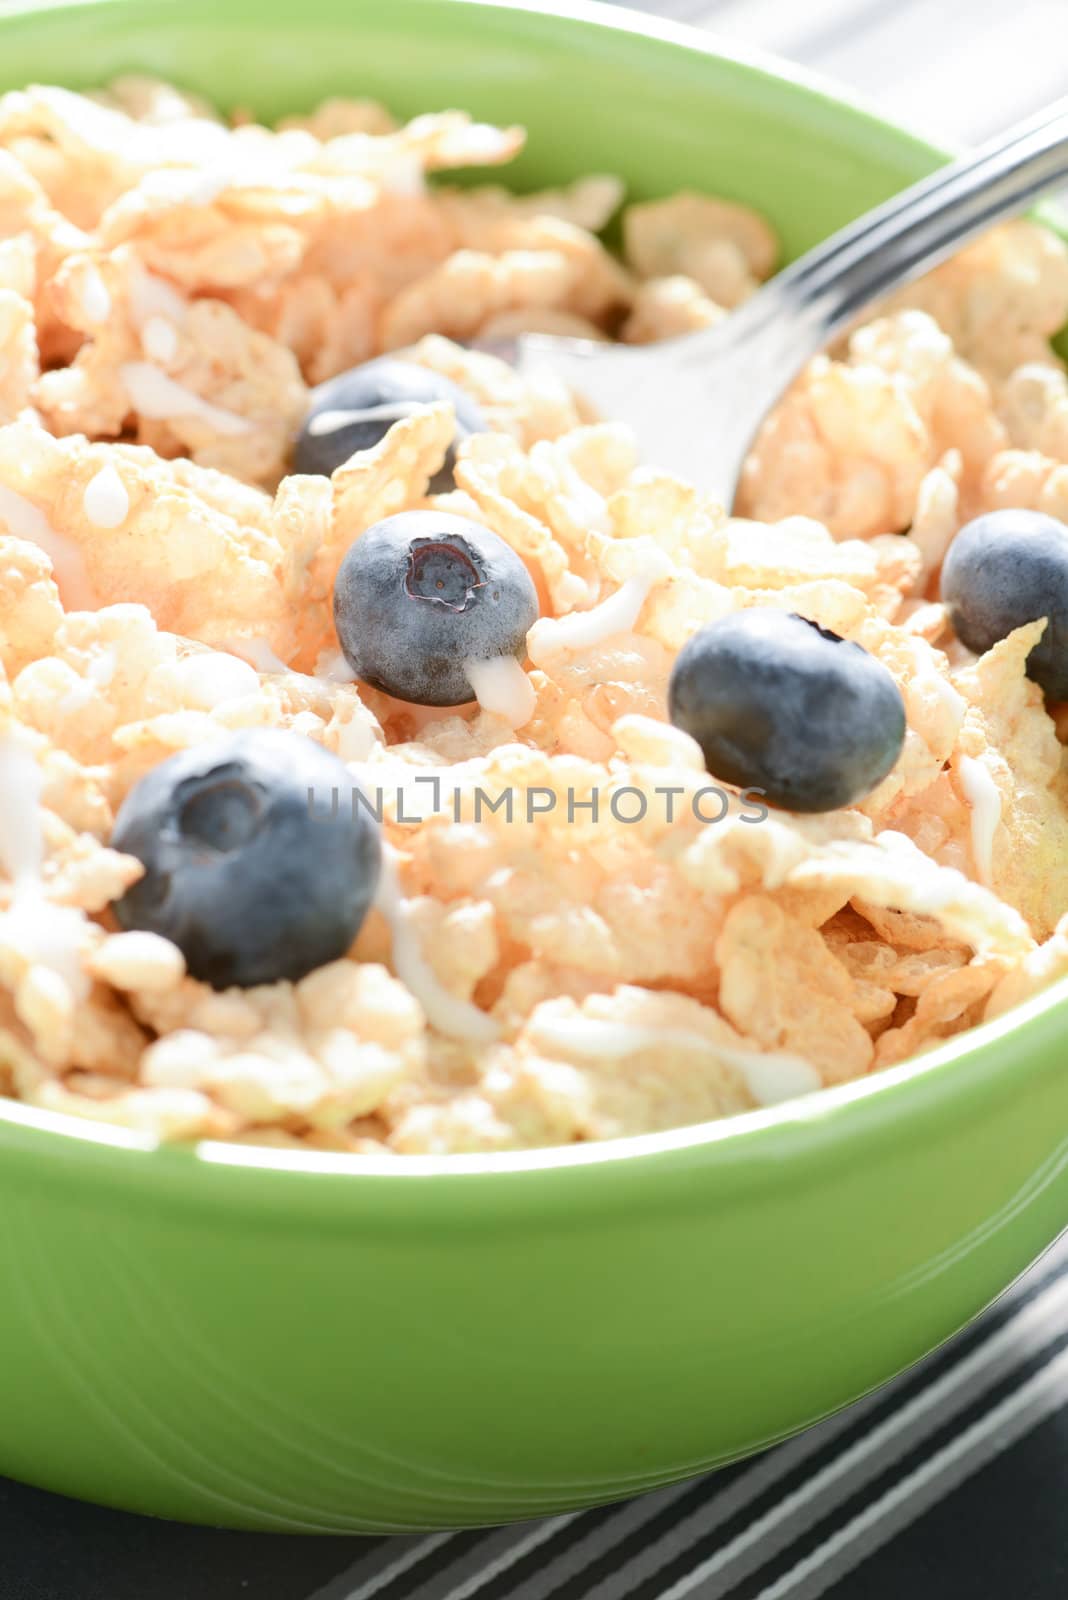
(882, 1092)
(595, 14)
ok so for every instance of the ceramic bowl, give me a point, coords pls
(265, 1340)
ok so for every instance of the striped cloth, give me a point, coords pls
(949, 1484)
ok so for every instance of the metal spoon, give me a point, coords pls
(696, 402)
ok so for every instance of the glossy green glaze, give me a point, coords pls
(239, 1337)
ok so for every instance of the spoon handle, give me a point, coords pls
(697, 401)
(824, 291)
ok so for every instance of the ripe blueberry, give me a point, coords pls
(356, 410)
(1003, 570)
(421, 593)
(251, 868)
(783, 706)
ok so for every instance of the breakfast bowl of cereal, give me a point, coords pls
(518, 983)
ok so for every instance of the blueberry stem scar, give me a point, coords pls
(439, 569)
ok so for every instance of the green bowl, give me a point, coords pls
(267, 1340)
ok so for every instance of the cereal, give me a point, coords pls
(854, 440)
(846, 448)
(18, 340)
(220, 392)
(134, 962)
(1037, 970)
(528, 409)
(1001, 299)
(937, 514)
(471, 287)
(579, 934)
(724, 248)
(664, 308)
(1008, 735)
(953, 999)
(781, 985)
(502, 484)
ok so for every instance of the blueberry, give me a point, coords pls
(422, 592)
(1006, 569)
(781, 705)
(355, 410)
(251, 869)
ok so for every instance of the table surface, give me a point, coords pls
(950, 1483)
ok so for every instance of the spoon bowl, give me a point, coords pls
(696, 402)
